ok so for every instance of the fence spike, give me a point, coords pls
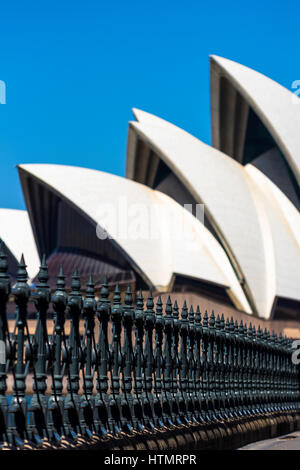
(168, 398)
(87, 402)
(139, 363)
(18, 406)
(127, 412)
(148, 399)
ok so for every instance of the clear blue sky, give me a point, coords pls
(74, 69)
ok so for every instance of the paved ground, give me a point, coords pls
(287, 442)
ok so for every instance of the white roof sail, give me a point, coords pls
(277, 107)
(282, 237)
(233, 203)
(153, 243)
(16, 233)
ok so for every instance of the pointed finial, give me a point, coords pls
(259, 332)
(22, 275)
(21, 288)
(43, 272)
(128, 310)
(191, 316)
(169, 309)
(198, 316)
(59, 299)
(212, 320)
(205, 319)
(175, 310)
(60, 280)
(128, 296)
(159, 305)
(117, 295)
(150, 303)
(90, 287)
(140, 300)
(104, 291)
(75, 283)
(184, 312)
(139, 311)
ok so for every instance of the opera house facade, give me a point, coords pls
(238, 201)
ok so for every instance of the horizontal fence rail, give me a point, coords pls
(137, 377)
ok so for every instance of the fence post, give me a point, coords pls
(138, 364)
(102, 409)
(204, 361)
(158, 363)
(211, 367)
(191, 365)
(18, 405)
(58, 360)
(177, 417)
(72, 402)
(168, 397)
(5, 339)
(87, 402)
(183, 366)
(197, 358)
(115, 363)
(148, 401)
(241, 366)
(127, 412)
(39, 351)
(222, 368)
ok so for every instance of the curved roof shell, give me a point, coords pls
(152, 238)
(234, 206)
(277, 107)
(280, 223)
(17, 235)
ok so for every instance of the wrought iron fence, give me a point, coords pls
(167, 378)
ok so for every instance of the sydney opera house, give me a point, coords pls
(243, 250)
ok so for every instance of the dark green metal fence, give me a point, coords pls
(158, 377)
